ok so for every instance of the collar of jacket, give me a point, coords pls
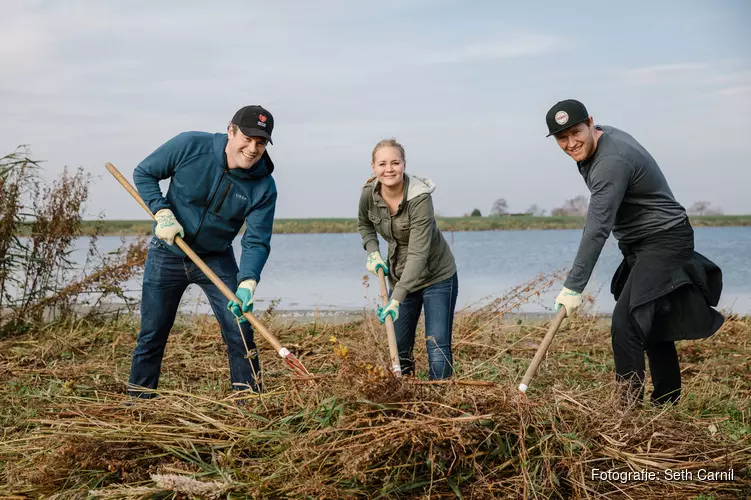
(263, 168)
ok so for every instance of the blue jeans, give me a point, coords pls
(439, 301)
(166, 276)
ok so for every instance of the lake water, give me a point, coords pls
(325, 271)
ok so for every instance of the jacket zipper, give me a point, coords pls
(224, 197)
(211, 202)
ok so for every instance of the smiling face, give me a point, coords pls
(579, 141)
(388, 166)
(243, 151)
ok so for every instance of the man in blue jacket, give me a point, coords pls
(217, 183)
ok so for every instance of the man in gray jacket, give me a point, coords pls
(664, 290)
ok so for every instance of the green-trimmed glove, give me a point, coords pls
(374, 262)
(569, 299)
(392, 308)
(245, 291)
(167, 226)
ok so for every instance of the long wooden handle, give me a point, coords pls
(542, 349)
(202, 265)
(396, 367)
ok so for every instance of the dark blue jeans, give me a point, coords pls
(166, 276)
(439, 301)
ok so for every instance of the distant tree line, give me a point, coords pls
(704, 208)
(577, 206)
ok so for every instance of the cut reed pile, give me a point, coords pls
(358, 432)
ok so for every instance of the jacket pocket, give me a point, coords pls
(222, 198)
(375, 218)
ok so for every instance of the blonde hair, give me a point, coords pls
(389, 143)
(386, 143)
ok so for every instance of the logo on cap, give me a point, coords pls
(561, 117)
(262, 118)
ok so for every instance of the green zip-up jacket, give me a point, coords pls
(418, 255)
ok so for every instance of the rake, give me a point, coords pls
(396, 367)
(542, 349)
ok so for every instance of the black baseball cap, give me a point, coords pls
(565, 114)
(254, 121)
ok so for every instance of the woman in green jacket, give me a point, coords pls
(421, 268)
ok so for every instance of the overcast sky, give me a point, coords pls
(463, 85)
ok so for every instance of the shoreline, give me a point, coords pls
(143, 227)
(330, 317)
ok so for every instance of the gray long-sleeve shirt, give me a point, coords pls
(629, 195)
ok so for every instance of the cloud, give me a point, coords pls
(734, 91)
(718, 78)
(665, 73)
(732, 78)
(732, 84)
(86, 82)
(23, 41)
(494, 50)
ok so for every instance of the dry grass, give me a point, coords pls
(39, 278)
(357, 432)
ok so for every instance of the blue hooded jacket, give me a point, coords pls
(211, 201)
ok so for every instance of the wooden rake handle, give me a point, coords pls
(283, 352)
(396, 367)
(542, 349)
